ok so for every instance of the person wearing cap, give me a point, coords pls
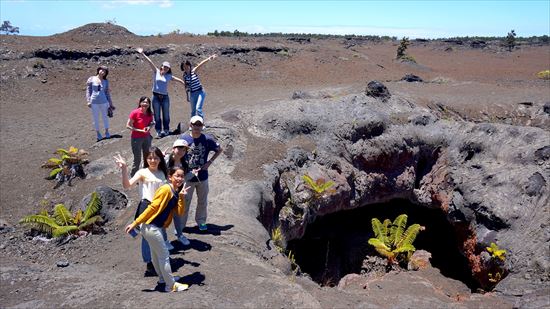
(161, 100)
(197, 157)
(98, 98)
(193, 86)
(177, 158)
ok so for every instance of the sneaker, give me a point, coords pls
(107, 135)
(150, 270)
(159, 135)
(184, 241)
(177, 287)
(99, 136)
(203, 227)
(161, 280)
(167, 133)
(169, 245)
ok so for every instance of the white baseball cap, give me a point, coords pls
(166, 64)
(180, 143)
(196, 119)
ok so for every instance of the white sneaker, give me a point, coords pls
(169, 246)
(178, 287)
(184, 241)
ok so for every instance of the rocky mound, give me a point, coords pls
(470, 185)
(96, 31)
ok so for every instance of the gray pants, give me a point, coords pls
(159, 253)
(200, 212)
(140, 145)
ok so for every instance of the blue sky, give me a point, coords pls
(414, 19)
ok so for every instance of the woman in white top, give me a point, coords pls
(148, 179)
(161, 100)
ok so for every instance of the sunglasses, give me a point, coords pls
(197, 124)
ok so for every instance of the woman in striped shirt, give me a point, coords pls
(195, 92)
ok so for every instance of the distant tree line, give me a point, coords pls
(237, 33)
(507, 39)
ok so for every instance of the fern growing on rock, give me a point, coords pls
(318, 186)
(392, 241)
(67, 166)
(62, 222)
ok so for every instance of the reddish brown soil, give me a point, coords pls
(43, 109)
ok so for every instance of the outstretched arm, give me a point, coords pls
(151, 64)
(179, 80)
(204, 61)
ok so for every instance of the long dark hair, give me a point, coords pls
(162, 164)
(171, 162)
(143, 98)
(103, 68)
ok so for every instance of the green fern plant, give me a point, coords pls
(496, 252)
(278, 239)
(66, 157)
(62, 222)
(318, 186)
(392, 241)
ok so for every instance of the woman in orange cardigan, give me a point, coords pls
(169, 200)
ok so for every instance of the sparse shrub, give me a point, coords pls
(496, 252)
(62, 222)
(67, 166)
(318, 186)
(402, 48)
(7, 28)
(392, 240)
(278, 239)
(408, 58)
(495, 266)
(38, 65)
(544, 74)
(283, 52)
(510, 42)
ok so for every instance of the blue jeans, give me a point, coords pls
(146, 250)
(196, 99)
(161, 107)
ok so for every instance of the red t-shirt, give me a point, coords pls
(141, 120)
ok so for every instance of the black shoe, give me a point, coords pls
(150, 271)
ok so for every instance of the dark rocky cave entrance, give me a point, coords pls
(336, 244)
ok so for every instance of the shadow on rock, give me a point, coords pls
(194, 244)
(177, 263)
(213, 229)
(195, 278)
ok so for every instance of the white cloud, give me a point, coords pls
(160, 3)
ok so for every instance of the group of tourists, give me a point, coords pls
(167, 181)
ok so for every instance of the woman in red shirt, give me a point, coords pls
(140, 123)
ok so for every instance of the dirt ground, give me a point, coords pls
(43, 108)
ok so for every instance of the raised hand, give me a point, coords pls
(120, 162)
(139, 50)
(184, 189)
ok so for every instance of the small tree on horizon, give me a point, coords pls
(511, 40)
(402, 47)
(7, 28)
